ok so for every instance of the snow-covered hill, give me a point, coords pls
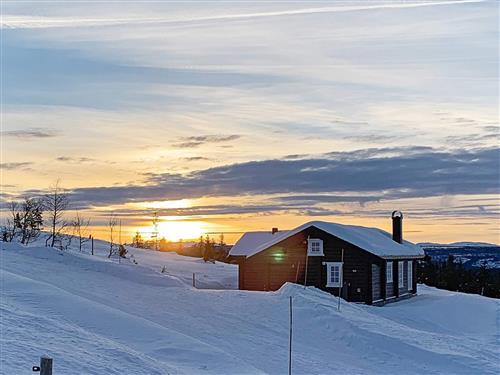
(94, 315)
(470, 254)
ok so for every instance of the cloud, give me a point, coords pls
(196, 158)
(29, 134)
(70, 159)
(14, 21)
(14, 166)
(195, 141)
(373, 174)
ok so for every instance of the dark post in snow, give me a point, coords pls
(45, 366)
(194, 280)
(92, 237)
(341, 277)
(290, 341)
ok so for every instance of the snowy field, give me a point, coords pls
(94, 315)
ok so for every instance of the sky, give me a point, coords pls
(228, 116)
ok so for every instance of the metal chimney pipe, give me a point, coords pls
(397, 226)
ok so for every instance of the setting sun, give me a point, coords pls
(175, 230)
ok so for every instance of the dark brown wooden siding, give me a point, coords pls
(286, 261)
(376, 283)
(270, 269)
(364, 277)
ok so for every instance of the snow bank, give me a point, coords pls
(95, 316)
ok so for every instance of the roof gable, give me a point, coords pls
(373, 240)
(252, 240)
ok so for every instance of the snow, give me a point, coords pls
(457, 244)
(94, 315)
(252, 240)
(373, 240)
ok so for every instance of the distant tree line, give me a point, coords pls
(207, 247)
(452, 275)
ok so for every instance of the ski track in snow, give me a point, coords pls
(96, 316)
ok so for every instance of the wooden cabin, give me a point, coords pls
(365, 265)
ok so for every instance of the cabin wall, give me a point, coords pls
(283, 262)
(286, 261)
(357, 277)
(364, 274)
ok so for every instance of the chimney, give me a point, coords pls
(274, 230)
(397, 226)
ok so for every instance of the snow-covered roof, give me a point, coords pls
(373, 240)
(252, 240)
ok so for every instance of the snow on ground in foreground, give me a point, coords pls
(95, 316)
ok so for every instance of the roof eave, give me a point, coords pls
(402, 256)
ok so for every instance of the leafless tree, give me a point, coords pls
(56, 203)
(9, 230)
(81, 226)
(111, 225)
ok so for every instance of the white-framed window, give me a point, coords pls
(401, 279)
(334, 274)
(388, 273)
(410, 275)
(315, 247)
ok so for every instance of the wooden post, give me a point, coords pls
(45, 366)
(383, 280)
(290, 340)
(194, 280)
(92, 245)
(297, 273)
(305, 276)
(341, 276)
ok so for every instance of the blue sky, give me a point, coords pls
(258, 112)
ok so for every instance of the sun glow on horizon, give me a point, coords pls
(175, 230)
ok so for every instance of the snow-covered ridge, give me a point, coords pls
(457, 244)
(132, 318)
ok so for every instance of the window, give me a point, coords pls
(334, 274)
(315, 247)
(410, 275)
(388, 273)
(401, 279)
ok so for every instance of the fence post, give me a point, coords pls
(45, 366)
(290, 339)
(194, 280)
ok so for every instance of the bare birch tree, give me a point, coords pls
(9, 230)
(81, 226)
(56, 203)
(111, 225)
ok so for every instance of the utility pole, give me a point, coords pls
(155, 225)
